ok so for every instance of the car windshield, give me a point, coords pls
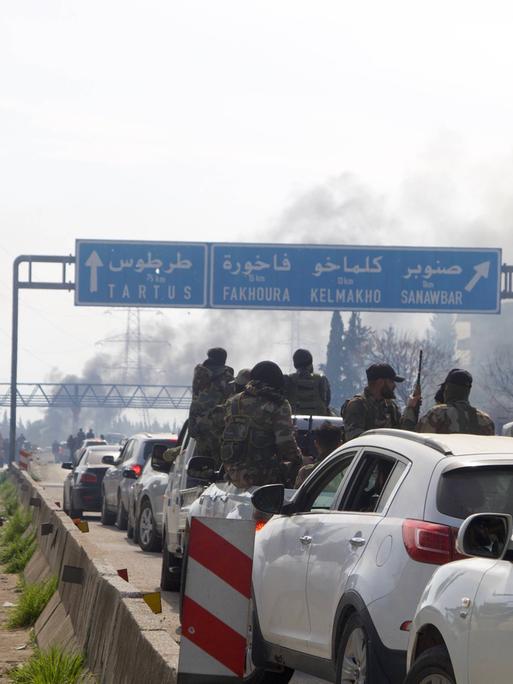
(464, 491)
(94, 458)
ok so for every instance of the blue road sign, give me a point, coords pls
(139, 274)
(256, 276)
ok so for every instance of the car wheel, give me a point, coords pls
(147, 534)
(171, 566)
(432, 667)
(73, 512)
(106, 518)
(354, 661)
(121, 516)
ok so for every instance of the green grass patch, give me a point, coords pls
(17, 544)
(31, 603)
(8, 498)
(51, 667)
(18, 554)
(6, 487)
(15, 526)
(4, 483)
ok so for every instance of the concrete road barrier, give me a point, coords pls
(94, 610)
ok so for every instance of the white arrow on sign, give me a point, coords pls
(481, 271)
(94, 263)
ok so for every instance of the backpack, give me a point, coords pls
(304, 393)
(243, 435)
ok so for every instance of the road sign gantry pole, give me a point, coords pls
(29, 284)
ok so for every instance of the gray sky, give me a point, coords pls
(370, 122)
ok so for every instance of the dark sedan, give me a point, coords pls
(82, 486)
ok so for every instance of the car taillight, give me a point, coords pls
(137, 469)
(259, 524)
(428, 542)
(88, 478)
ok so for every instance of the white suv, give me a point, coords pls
(338, 572)
(463, 628)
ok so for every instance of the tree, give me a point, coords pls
(357, 347)
(333, 369)
(4, 430)
(443, 334)
(401, 351)
(347, 356)
(497, 382)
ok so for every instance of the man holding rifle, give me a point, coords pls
(375, 406)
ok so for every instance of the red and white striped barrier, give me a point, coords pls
(25, 458)
(216, 602)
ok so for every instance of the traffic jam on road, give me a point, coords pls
(358, 575)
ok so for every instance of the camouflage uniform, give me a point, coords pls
(364, 412)
(211, 386)
(258, 445)
(308, 392)
(170, 455)
(456, 416)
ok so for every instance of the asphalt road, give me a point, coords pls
(143, 568)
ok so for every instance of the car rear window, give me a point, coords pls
(148, 446)
(483, 489)
(94, 458)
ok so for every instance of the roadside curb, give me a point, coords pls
(96, 612)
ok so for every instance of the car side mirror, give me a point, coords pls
(486, 535)
(67, 465)
(202, 468)
(129, 474)
(269, 498)
(108, 460)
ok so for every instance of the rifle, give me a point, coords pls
(417, 389)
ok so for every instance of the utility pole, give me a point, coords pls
(135, 347)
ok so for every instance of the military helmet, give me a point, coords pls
(269, 373)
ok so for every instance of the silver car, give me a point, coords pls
(146, 501)
(126, 468)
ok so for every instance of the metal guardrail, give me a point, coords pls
(84, 395)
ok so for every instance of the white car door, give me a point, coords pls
(175, 488)
(338, 540)
(281, 558)
(491, 626)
